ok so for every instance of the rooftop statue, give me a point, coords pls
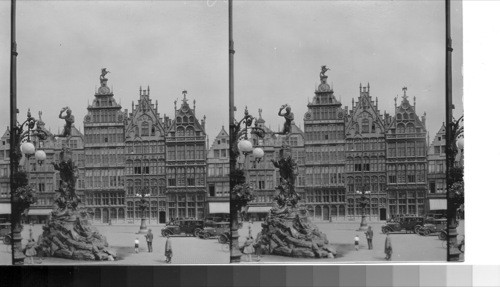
(103, 76)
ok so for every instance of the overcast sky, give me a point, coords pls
(281, 45)
(179, 45)
(171, 47)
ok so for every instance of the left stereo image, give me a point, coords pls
(114, 148)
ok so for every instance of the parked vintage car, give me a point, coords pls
(220, 230)
(5, 233)
(186, 227)
(407, 224)
(433, 227)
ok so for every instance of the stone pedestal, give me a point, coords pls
(290, 232)
(69, 235)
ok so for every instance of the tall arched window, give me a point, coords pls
(410, 128)
(365, 126)
(400, 128)
(145, 129)
(180, 131)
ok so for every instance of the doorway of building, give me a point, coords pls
(163, 216)
(105, 216)
(326, 213)
(383, 214)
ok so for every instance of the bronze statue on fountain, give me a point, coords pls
(288, 230)
(68, 234)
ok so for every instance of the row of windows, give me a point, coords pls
(218, 153)
(409, 128)
(323, 135)
(105, 198)
(4, 190)
(324, 113)
(437, 166)
(139, 148)
(186, 152)
(104, 116)
(325, 196)
(324, 175)
(365, 145)
(219, 169)
(145, 167)
(405, 194)
(103, 135)
(103, 178)
(189, 176)
(437, 186)
(325, 154)
(107, 157)
(218, 189)
(402, 149)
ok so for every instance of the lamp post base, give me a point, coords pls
(235, 256)
(143, 228)
(16, 241)
(453, 252)
(363, 226)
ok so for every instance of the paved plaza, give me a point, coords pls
(186, 250)
(189, 250)
(406, 247)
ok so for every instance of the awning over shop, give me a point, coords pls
(218, 207)
(437, 204)
(4, 208)
(259, 209)
(39, 211)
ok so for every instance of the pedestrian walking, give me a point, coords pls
(30, 249)
(388, 248)
(149, 240)
(136, 245)
(356, 242)
(248, 248)
(369, 237)
(168, 250)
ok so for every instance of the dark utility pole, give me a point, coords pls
(453, 252)
(233, 212)
(17, 258)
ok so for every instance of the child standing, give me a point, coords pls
(136, 245)
(30, 249)
(356, 242)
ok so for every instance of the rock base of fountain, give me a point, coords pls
(289, 232)
(69, 235)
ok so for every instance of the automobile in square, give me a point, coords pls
(219, 230)
(5, 233)
(405, 223)
(434, 226)
(183, 227)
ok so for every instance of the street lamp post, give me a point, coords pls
(240, 190)
(364, 201)
(22, 194)
(144, 192)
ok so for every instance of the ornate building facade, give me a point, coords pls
(185, 141)
(145, 160)
(324, 130)
(365, 161)
(104, 129)
(436, 175)
(406, 160)
(5, 176)
(218, 176)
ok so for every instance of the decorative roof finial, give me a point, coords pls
(184, 93)
(260, 113)
(404, 93)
